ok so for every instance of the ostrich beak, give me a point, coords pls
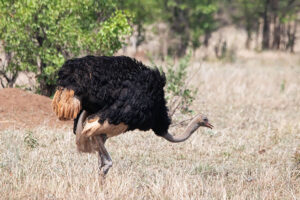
(208, 125)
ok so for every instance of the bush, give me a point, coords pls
(178, 95)
(39, 35)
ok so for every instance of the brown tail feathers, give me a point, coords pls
(65, 105)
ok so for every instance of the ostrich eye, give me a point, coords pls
(205, 119)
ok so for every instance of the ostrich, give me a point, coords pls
(107, 96)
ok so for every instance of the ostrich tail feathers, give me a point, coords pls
(65, 104)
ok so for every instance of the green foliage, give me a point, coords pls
(143, 12)
(248, 13)
(204, 170)
(192, 18)
(188, 19)
(286, 10)
(30, 140)
(41, 34)
(179, 97)
(282, 85)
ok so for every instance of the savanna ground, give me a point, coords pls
(252, 153)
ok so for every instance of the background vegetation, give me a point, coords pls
(39, 35)
(237, 61)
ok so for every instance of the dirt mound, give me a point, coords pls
(24, 110)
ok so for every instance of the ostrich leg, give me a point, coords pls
(104, 159)
(100, 140)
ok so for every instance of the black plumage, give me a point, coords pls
(118, 89)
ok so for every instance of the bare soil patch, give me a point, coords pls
(24, 110)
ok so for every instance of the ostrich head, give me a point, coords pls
(198, 120)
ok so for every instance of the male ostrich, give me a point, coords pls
(107, 96)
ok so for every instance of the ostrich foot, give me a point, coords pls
(104, 165)
(105, 168)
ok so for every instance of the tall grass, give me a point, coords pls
(253, 152)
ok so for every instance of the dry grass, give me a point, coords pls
(253, 153)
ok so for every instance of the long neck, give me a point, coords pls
(191, 128)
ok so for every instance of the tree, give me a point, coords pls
(143, 12)
(41, 34)
(278, 17)
(280, 13)
(284, 14)
(247, 15)
(7, 77)
(266, 25)
(189, 20)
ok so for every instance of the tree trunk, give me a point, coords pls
(291, 33)
(13, 79)
(294, 36)
(249, 38)
(283, 33)
(140, 36)
(207, 36)
(10, 76)
(10, 81)
(180, 27)
(44, 87)
(257, 35)
(181, 50)
(277, 25)
(266, 26)
(276, 35)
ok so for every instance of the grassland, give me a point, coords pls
(253, 152)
